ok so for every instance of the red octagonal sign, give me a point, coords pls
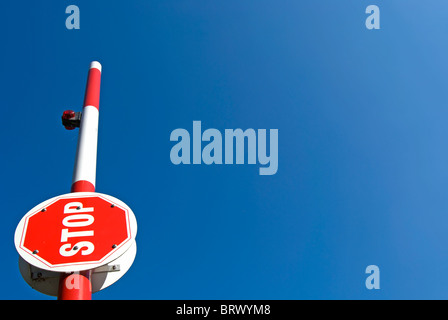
(75, 231)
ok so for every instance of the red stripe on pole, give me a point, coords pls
(83, 186)
(92, 97)
(75, 286)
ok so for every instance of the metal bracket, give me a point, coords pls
(107, 268)
(40, 274)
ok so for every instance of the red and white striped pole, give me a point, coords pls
(77, 285)
(85, 164)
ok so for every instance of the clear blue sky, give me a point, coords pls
(363, 151)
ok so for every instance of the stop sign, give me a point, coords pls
(75, 231)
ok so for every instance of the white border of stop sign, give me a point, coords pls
(84, 217)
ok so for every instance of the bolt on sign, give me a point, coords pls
(75, 232)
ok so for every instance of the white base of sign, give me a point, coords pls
(47, 282)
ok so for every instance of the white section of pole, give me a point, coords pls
(86, 154)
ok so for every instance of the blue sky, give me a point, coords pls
(361, 116)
